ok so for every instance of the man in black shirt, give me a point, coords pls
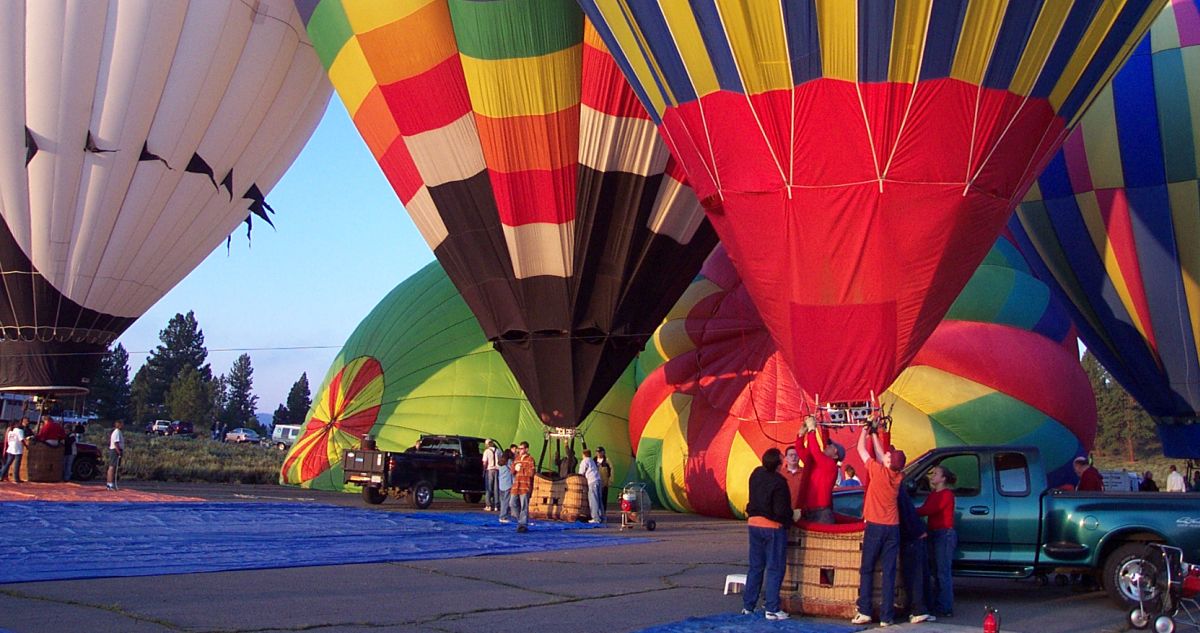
(769, 515)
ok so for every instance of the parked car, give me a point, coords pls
(1010, 524)
(437, 462)
(158, 427)
(88, 462)
(182, 428)
(241, 436)
(284, 435)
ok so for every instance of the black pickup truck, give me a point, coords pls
(437, 462)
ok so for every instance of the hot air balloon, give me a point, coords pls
(858, 159)
(532, 172)
(420, 364)
(133, 138)
(1114, 226)
(1002, 368)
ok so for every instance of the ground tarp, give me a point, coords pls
(757, 623)
(48, 541)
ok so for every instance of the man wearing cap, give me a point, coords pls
(605, 479)
(881, 538)
(820, 457)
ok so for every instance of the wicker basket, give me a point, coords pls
(822, 572)
(42, 463)
(559, 499)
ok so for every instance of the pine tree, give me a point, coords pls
(241, 402)
(299, 401)
(188, 398)
(182, 346)
(110, 392)
(143, 409)
(219, 388)
(1122, 426)
(280, 417)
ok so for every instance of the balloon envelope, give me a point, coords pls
(532, 172)
(420, 364)
(1114, 225)
(876, 147)
(1001, 369)
(133, 138)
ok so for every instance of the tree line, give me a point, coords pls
(1123, 428)
(177, 383)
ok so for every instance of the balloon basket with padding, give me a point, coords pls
(635, 507)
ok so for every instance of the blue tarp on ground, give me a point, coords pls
(60, 541)
(735, 623)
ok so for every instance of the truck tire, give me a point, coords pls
(472, 497)
(1123, 568)
(421, 495)
(373, 495)
(84, 469)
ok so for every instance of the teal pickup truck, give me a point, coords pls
(1010, 525)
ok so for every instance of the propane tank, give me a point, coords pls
(991, 620)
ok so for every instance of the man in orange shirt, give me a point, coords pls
(793, 472)
(522, 486)
(881, 539)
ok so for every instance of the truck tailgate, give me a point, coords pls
(364, 466)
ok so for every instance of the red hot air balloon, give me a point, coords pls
(858, 159)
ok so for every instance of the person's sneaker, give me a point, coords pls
(860, 618)
(916, 619)
(747, 612)
(777, 615)
(883, 624)
(110, 486)
(521, 529)
(595, 521)
(505, 520)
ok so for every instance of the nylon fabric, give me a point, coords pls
(530, 167)
(853, 122)
(1111, 226)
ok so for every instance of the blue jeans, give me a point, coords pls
(595, 505)
(914, 559)
(881, 544)
(505, 501)
(943, 544)
(13, 460)
(491, 486)
(768, 552)
(520, 507)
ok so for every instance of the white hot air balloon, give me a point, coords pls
(135, 135)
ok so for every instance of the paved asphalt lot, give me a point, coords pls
(608, 589)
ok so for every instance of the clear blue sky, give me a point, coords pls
(342, 241)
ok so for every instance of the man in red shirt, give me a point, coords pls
(821, 457)
(50, 432)
(881, 538)
(1089, 477)
(793, 472)
(522, 488)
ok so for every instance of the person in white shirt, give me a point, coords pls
(14, 450)
(116, 448)
(491, 470)
(1175, 482)
(588, 468)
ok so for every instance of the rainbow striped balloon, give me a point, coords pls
(1114, 226)
(530, 169)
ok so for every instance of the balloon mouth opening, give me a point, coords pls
(46, 390)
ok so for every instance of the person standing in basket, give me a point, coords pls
(522, 488)
(793, 472)
(881, 538)
(939, 507)
(821, 457)
(769, 515)
(491, 470)
(116, 449)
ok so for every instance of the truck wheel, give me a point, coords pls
(84, 470)
(373, 495)
(1129, 574)
(421, 495)
(472, 497)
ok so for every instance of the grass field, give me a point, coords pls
(158, 458)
